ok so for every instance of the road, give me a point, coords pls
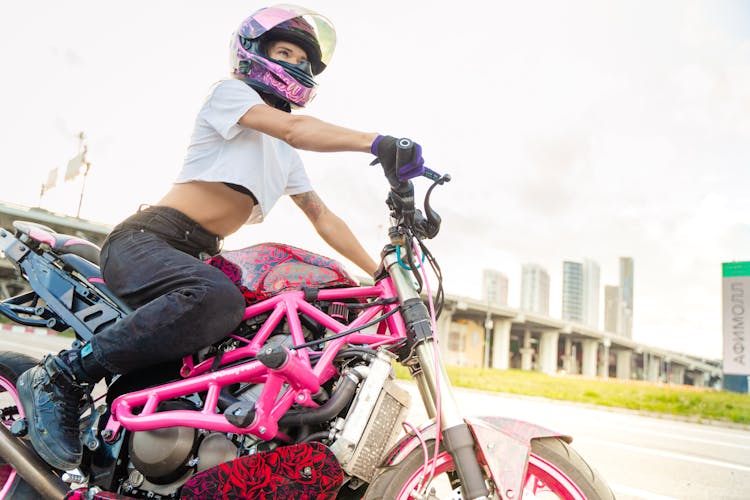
(641, 457)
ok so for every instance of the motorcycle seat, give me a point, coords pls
(77, 253)
(61, 243)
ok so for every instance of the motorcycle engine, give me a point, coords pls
(163, 455)
(163, 459)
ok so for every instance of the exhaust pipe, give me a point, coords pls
(30, 467)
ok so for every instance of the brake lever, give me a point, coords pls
(429, 225)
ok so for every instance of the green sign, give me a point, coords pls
(736, 317)
(730, 269)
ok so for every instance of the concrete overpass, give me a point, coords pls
(518, 339)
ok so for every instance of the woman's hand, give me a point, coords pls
(385, 148)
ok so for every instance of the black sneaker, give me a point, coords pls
(51, 398)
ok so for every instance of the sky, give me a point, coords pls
(580, 129)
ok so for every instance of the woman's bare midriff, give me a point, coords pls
(215, 206)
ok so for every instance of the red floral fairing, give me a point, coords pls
(307, 471)
(264, 270)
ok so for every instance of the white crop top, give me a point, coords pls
(221, 150)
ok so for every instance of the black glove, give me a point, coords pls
(385, 146)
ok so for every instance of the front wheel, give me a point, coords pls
(555, 471)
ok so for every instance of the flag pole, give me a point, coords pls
(86, 163)
(83, 188)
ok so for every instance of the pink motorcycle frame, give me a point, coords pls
(303, 380)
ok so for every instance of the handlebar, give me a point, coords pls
(434, 176)
(401, 197)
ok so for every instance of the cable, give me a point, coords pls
(408, 427)
(335, 336)
(440, 298)
(367, 305)
(414, 258)
(401, 261)
(436, 359)
(440, 294)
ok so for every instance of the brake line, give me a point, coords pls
(436, 358)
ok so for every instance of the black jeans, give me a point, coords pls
(181, 304)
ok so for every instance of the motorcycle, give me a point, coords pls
(300, 400)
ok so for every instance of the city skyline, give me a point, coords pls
(581, 292)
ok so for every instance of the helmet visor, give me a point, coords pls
(266, 19)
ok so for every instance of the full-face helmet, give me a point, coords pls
(287, 84)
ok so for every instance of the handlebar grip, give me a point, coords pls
(404, 151)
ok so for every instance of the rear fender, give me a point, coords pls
(504, 446)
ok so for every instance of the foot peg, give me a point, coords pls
(20, 428)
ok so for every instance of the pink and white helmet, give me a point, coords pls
(293, 84)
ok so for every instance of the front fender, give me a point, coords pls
(503, 444)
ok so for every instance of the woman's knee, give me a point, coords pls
(226, 302)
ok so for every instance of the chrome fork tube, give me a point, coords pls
(432, 378)
(427, 399)
(434, 381)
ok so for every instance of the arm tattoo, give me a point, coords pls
(311, 204)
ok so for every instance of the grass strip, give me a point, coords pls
(694, 403)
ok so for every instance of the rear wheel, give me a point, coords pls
(555, 471)
(12, 365)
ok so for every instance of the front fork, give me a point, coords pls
(433, 383)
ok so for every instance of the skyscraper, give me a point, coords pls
(534, 289)
(590, 298)
(572, 296)
(611, 308)
(625, 316)
(495, 287)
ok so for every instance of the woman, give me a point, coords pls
(241, 159)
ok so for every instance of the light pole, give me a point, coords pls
(87, 165)
(488, 324)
